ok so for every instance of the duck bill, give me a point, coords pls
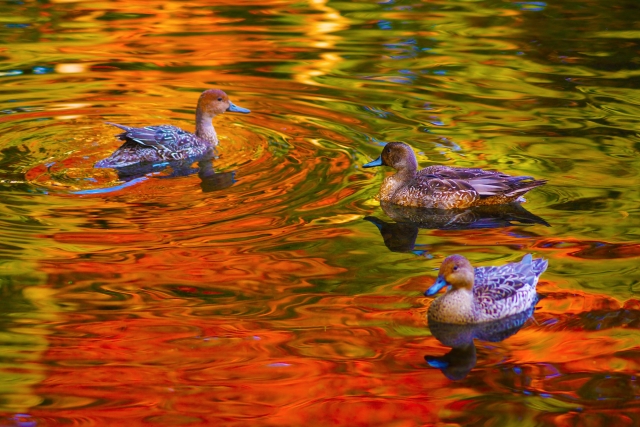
(440, 283)
(374, 163)
(233, 108)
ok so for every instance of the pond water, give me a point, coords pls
(270, 287)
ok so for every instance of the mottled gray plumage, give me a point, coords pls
(155, 144)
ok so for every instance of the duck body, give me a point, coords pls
(153, 144)
(484, 294)
(162, 143)
(445, 187)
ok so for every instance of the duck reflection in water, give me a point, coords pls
(401, 236)
(461, 359)
(210, 179)
(488, 303)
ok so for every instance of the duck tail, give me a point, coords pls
(523, 185)
(123, 127)
(539, 266)
(530, 269)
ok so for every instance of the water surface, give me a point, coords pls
(255, 291)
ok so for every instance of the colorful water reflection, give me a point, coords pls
(251, 289)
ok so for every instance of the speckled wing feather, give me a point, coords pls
(164, 138)
(462, 173)
(154, 144)
(483, 182)
(507, 289)
(437, 191)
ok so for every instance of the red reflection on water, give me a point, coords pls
(164, 358)
(590, 249)
(177, 308)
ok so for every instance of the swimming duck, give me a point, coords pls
(445, 187)
(170, 143)
(484, 294)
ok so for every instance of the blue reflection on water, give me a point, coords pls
(42, 70)
(531, 6)
(384, 25)
(112, 189)
(10, 73)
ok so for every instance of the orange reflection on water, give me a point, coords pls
(269, 300)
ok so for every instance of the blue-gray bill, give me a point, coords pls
(374, 163)
(440, 283)
(235, 109)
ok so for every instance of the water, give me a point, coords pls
(257, 293)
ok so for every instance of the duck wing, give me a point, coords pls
(164, 138)
(433, 191)
(461, 173)
(485, 183)
(440, 179)
(507, 289)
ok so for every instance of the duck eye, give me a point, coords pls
(455, 268)
(219, 99)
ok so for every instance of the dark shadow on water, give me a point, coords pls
(400, 236)
(210, 180)
(478, 217)
(397, 236)
(458, 362)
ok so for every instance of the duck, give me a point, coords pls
(168, 143)
(445, 187)
(484, 294)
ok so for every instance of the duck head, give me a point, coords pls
(397, 155)
(456, 271)
(213, 102)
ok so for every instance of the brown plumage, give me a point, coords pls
(445, 187)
